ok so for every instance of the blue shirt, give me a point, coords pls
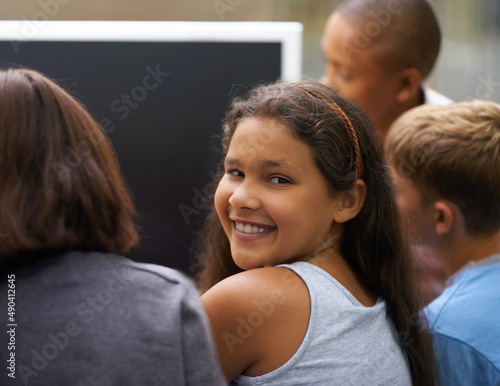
(465, 322)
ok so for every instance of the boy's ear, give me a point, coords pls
(445, 217)
(409, 85)
(350, 202)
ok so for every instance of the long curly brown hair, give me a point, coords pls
(373, 243)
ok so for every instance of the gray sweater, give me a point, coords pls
(85, 319)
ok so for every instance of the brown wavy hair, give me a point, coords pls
(60, 184)
(373, 243)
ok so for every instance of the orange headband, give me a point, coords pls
(347, 122)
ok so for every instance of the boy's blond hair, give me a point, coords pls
(453, 153)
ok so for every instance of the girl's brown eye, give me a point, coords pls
(279, 180)
(236, 173)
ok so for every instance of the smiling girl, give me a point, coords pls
(308, 279)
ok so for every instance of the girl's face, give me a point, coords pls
(273, 202)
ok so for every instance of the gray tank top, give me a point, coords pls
(346, 343)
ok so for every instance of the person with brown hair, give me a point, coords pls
(307, 277)
(446, 166)
(77, 312)
(378, 54)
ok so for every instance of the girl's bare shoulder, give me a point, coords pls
(272, 285)
(259, 318)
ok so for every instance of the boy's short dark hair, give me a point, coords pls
(405, 32)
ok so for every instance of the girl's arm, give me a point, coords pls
(258, 318)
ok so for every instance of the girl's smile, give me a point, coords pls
(252, 228)
(274, 204)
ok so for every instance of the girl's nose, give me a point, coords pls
(244, 197)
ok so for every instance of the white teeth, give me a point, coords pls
(250, 228)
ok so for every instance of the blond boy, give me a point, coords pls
(446, 167)
(379, 52)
